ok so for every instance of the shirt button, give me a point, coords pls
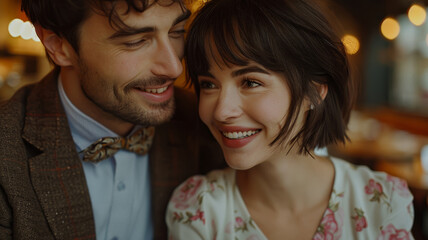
(121, 186)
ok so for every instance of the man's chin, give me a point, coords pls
(153, 115)
(160, 118)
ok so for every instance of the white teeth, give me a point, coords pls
(238, 135)
(155, 90)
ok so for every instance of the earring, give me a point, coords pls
(312, 106)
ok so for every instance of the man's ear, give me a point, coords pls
(58, 48)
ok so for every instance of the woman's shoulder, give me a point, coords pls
(198, 191)
(362, 178)
(374, 200)
(199, 203)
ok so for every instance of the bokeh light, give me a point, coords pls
(25, 30)
(15, 27)
(417, 14)
(390, 28)
(352, 45)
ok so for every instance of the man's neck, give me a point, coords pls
(72, 88)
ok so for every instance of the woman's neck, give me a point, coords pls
(294, 183)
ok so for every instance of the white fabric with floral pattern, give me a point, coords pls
(363, 205)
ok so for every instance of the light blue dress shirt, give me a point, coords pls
(119, 186)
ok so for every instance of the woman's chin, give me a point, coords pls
(239, 164)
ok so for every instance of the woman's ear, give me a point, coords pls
(58, 48)
(322, 90)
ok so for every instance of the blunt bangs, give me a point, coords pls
(227, 37)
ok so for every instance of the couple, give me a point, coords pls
(272, 82)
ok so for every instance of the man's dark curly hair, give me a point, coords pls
(64, 17)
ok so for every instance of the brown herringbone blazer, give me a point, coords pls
(43, 191)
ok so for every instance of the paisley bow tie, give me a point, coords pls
(139, 142)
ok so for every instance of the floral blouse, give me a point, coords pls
(363, 205)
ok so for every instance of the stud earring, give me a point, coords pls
(312, 106)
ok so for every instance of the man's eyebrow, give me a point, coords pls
(128, 31)
(248, 69)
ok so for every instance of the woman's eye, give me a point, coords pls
(206, 85)
(250, 83)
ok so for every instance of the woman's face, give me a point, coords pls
(244, 107)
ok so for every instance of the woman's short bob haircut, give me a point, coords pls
(291, 37)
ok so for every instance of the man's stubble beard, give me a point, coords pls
(120, 104)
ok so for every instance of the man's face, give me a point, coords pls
(129, 75)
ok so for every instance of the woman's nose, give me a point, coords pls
(228, 106)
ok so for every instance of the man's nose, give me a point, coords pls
(166, 61)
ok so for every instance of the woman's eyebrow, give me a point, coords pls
(248, 69)
(207, 74)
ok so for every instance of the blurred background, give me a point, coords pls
(387, 43)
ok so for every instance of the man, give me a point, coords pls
(115, 65)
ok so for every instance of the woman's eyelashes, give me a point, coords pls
(245, 83)
(205, 84)
(250, 83)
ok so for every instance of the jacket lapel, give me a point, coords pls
(173, 157)
(57, 174)
(160, 169)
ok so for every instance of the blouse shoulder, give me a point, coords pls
(361, 178)
(380, 198)
(194, 201)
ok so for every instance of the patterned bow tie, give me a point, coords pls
(139, 142)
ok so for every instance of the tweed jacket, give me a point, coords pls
(43, 191)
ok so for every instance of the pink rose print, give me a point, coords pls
(240, 224)
(376, 189)
(400, 186)
(199, 215)
(328, 226)
(182, 198)
(373, 187)
(360, 220)
(177, 216)
(391, 233)
(188, 217)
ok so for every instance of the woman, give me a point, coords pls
(273, 85)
